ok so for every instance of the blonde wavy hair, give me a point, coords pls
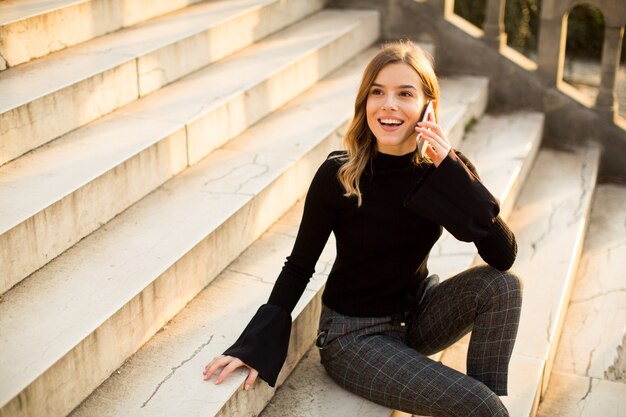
(359, 140)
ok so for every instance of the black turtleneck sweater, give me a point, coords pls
(382, 246)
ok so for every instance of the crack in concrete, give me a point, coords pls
(589, 362)
(584, 185)
(233, 170)
(537, 242)
(589, 388)
(602, 294)
(573, 340)
(255, 162)
(176, 368)
(256, 277)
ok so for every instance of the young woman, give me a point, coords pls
(382, 315)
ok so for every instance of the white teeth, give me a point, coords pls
(391, 121)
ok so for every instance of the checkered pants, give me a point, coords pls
(384, 359)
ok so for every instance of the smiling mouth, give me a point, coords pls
(390, 122)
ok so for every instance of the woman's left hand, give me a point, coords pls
(435, 137)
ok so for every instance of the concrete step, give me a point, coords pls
(592, 341)
(500, 146)
(577, 396)
(549, 221)
(107, 295)
(310, 392)
(47, 207)
(142, 377)
(32, 28)
(165, 376)
(590, 366)
(85, 82)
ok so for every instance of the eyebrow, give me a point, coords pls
(400, 86)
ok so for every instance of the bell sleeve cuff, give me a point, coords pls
(264, 342)
(454, 197)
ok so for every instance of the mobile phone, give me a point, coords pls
(421, 143)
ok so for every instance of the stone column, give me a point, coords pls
(494, 24)
(611, 50)
(551, 49)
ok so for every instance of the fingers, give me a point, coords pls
(215, 364)
(229, 364)
(226, 362)
(439, 145)
(250, 379)
(228, 369)
(434, 127)
(434, 156)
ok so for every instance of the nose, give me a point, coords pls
(389, 103)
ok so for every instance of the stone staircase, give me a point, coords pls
(153, 157)
(590, 365)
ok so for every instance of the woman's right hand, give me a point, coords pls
(229, 363)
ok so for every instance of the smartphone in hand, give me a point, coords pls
(421, 143)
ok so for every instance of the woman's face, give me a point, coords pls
(394, 104)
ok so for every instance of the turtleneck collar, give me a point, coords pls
(388, 161)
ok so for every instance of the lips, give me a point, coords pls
(390, 123)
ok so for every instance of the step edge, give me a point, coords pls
(206, 110)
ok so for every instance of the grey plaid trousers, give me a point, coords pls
(385, 359)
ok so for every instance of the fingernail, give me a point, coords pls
(247, 387)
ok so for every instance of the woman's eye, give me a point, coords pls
(376, 91)
(406, 94)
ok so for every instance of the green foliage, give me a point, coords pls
(522, 20)
(585, 32)
(471, 10)
(470, 124)
(521, 24)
